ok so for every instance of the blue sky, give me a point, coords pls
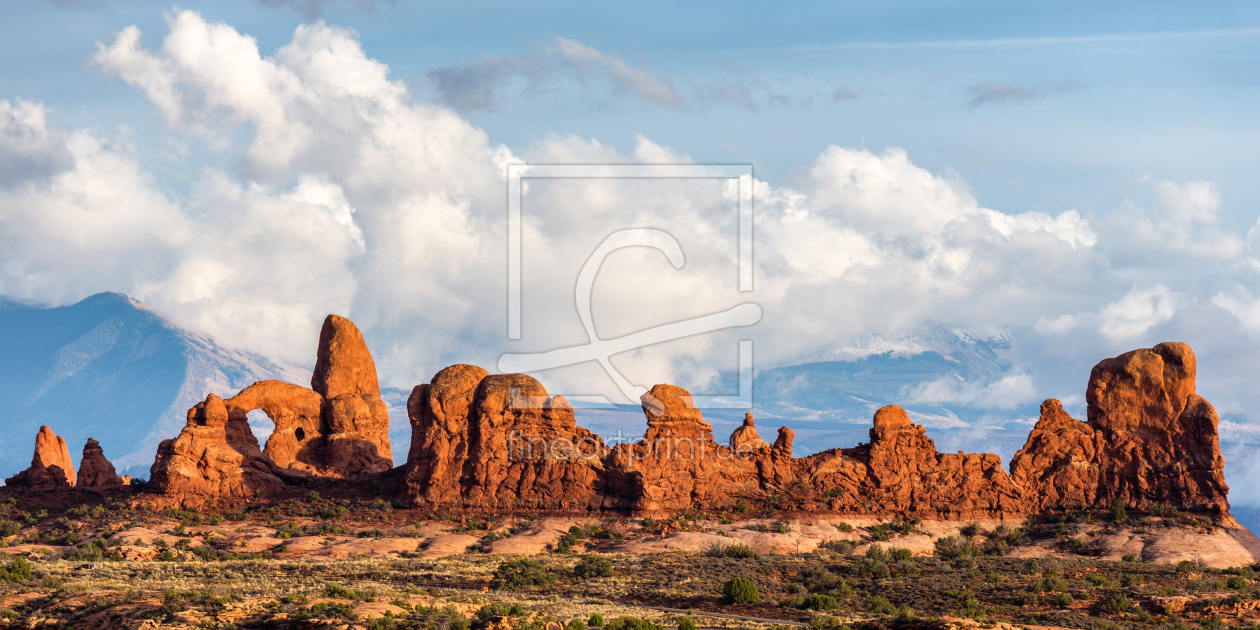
(1080, 175)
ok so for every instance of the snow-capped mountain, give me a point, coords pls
(113, 369)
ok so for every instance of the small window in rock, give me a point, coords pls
(300, 434)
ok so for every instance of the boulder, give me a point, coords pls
(1149, 438)
(50, 466)
(745, 438)
(94, 470)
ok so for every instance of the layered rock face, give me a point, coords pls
(499, 442)
(51, 466)
(338, 428)
(94, 470)
(1149, 438)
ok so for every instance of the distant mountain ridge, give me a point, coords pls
(110, 368)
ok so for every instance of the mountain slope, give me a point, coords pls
(109, 368)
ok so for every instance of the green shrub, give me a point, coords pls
(842, 547)
(593, 566)
(325, 610)
(740, 591)
(876, 553)
(740, 550)
(686, 623)
(1118, 513)
(1129, 557)
(1188, 566)
(596, 620)
(336, 591)
(1026, 598)
(1062, 600)
(1237, 582)
(521, 573)
(630, 623)
(900, 554)
(1117, 603)
(973, 610)
(969, 530)
(844, 527)
(817, 601)
(951, 547)
(19, 570)
(1130, 580)
(992, 578)
(879, 605)
(9, 528)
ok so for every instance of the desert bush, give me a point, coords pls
(686, 623)
(878, 605)
(973, 610)
(1129, 557)
(844, 527)
(596, 620)
(1026, 598)
(740, 591)
(521, 573)
(1189, 566)
(951, 547)
(969, 530)
(843, 547)
(1117, 603)
(1237, 583)
(993, 578)
(336, 591)
(900, 554)
(818, 601)
(630, 623)
(1062, 600)
(1130, 580)
(1118, 512)
(325, 610)
(19, 570)
(740, 550)
(9, 528)
(876, 553)
(593, 566)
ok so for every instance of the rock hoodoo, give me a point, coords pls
(94, 470)
(746, 436)
(338, 428)
(50, 466)
(1149, 438)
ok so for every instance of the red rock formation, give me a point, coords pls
(212, 458)
(499, 441)
(746, 437)
(94, 470)
(1149, 439)
(50, 466)
(298, 439)
(340, 428)
(343, 364)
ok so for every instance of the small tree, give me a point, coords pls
(515, 575)
(686, 623)
(740, 591)
(593, 566)
(596, 620)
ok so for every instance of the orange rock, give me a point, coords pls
(746, 436)
(94, 470)
(51, 466)
(343, 364)
(298, 439)
(1149, 439)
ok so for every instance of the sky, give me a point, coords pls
(1080, 177)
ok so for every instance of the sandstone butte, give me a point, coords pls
(501, 443)
(94, 470)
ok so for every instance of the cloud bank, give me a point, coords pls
(335, 190)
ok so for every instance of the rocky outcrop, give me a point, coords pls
(745, 438)
(499, 442)
(51, 466)
(338, 428)
(94, 470)
(1149, 438)
(215, 456)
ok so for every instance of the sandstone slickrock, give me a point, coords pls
(51, 466)
(1149, 438)
(339, 428)
(94, 470)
